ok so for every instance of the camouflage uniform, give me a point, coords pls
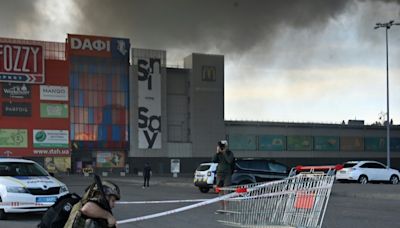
(78, 220)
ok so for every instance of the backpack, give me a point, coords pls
(57, 215)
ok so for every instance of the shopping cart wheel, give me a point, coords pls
(363, 179)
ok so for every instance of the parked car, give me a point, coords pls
(258, 170)
(205, 176)
(366, 171)
(25, 186)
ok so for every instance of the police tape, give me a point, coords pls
(161, 201)
(173, 211)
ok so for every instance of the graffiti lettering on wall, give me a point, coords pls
(149, 111)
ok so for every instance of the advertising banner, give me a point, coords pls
(57, 164)
(15, 90)
(351, 143)
(53, 110)
(110, 159)
(21, 63)
(13, 138)
(50, 139)
(54, 93)
(242, 142)
(17, 109)
(326, 143)
(98, 46)
(272, 142)
(149, 96)
(299, 143)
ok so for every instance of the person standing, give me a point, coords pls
(225, 159)
(146, 175)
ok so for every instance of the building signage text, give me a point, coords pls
(21, 63)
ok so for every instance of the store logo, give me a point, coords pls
(90, 45)
(40, 136)
(121, 47)
(17, 109)
(55, 93)
(209, 73)
(16, 91)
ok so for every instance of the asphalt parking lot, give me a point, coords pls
(350, 205)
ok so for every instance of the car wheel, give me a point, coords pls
(3, 214)
(394, 179)
(204, 189)
(363, 179)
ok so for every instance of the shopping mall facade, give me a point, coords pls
(94, 102)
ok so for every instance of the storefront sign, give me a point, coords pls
(50, 139)
(15, 90)
(22, 63)
(54, 93)
(18, 109)
(149, 110)
(51, 152)
(13, 138)
(98, 46)
(53, 110)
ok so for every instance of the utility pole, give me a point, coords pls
(387, 26)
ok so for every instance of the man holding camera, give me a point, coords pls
(225, 160)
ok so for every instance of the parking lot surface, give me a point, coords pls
(350, 205)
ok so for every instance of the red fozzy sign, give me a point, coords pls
(89, 45)
(21, 63)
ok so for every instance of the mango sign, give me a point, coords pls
(21, 63)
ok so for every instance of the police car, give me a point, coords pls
(205, 176)
(26, 187)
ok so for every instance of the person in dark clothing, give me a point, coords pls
(146, 175)
(225, 160)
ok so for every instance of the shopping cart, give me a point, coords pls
(297, 201)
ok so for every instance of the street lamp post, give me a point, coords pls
(387, 26)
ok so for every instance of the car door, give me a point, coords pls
(369, 169)
(381, 173)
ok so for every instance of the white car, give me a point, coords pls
(26, 187)
(365, 171)
(205, 176)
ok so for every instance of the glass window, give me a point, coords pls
(276, 167)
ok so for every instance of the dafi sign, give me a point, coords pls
(50, 139)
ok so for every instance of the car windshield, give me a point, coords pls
(203, 168)
(349, 165)
(21, 169)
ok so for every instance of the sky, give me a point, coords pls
(317, 61)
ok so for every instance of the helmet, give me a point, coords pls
(110, 188)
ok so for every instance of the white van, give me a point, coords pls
(205, 176)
